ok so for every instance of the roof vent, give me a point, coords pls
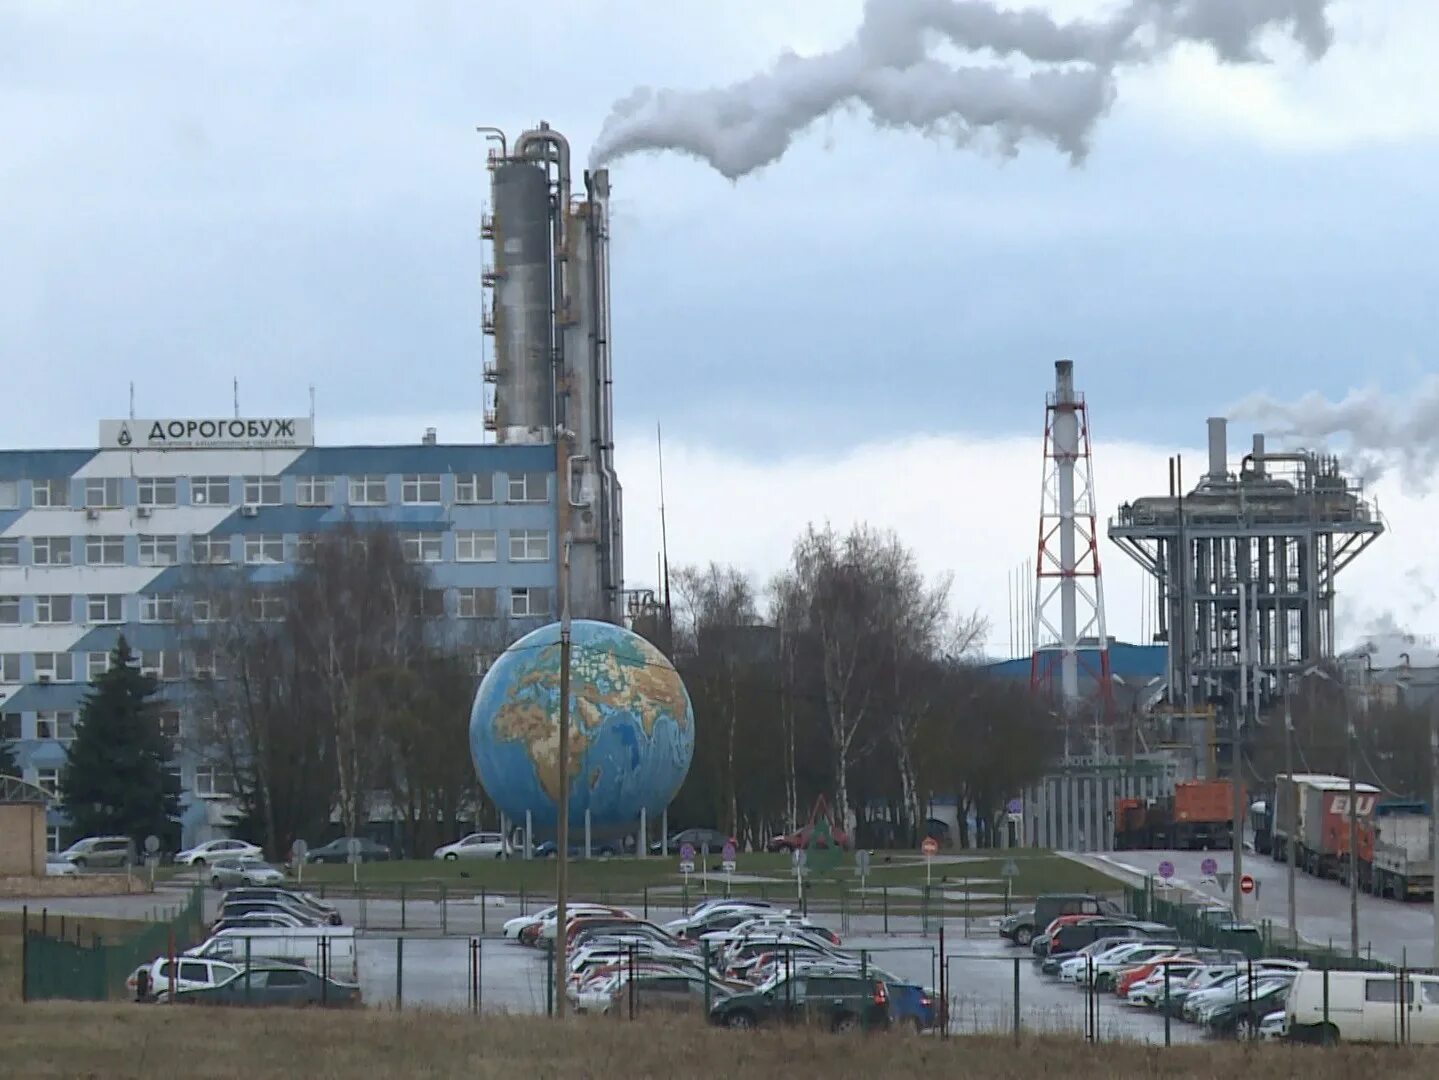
(430, 436)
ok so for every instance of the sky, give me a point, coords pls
(863, 329)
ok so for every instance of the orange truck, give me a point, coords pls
(1197, 817)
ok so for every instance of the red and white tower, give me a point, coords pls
(1068, 589)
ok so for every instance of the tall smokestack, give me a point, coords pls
(1258, 453)
(1218, 448)
(1066, 450)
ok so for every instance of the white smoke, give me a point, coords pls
(1376, 432)
(1067, 84)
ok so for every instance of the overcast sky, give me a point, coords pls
(290, 195)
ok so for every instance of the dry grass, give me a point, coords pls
(48, 888)
(121, 1041)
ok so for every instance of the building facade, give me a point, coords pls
(97, 543)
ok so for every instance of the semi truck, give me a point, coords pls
(1395, 854)
(1199, 816)
(1319, 803)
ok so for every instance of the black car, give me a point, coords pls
(306, 902)
(274, 984)
(338, 851)
(834, 1000)
(698, 838)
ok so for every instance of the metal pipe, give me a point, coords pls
(494, 133)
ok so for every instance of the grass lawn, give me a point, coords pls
(58, 1039)
(10, 942)
(902, 872)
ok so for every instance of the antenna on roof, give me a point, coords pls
(235, 383)
(664, 536)
(132, 399)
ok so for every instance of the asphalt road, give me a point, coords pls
(1388, 929)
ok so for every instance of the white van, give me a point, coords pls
(299, 945)
(1364, 1006)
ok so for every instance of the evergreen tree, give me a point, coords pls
(115, 782)
(8, 765)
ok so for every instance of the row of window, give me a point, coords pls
(59, 725)
(416, 489)
(209, 780)
(471, 545)
(472, 602)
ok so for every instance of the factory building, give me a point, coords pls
(98, 542)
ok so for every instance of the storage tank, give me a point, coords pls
(524, 295)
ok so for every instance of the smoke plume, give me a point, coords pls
(1376, 432)
(1030, 77)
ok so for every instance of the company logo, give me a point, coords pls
(1363, 805)
(124, 438)
(205, 433)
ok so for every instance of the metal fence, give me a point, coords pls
(67, 957)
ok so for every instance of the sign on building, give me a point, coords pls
(208, 433)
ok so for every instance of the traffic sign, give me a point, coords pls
(687, 858)
(800, 859)
(861, 861)
(1009, 869)
(1209, 867)
(152, 844)
(728, 856)
(1246, 884)
(299, 849)
(1014, 806)
(930, 846)
(354, 847)
(1166, 869)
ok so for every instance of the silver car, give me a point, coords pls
(231, 872)
(101, 852)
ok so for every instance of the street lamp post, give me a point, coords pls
(1292, 825)
(1353, 830)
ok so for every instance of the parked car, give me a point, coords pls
(697, 837)
(274, 920)
(261, 985)
(338, 851)
(229, 872)
(307, 902)
(480, 845)
(212, 851)
(800, 838)
(194, 973)
(548, 849)
(101, 852)
(55, 866)
(1361, 1006)
(839, 1001)
(1022, 926)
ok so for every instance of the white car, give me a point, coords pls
(480, 845)
(58, 867)
(212, 851)
(546, 916)
(195, 973)
(1272, 1026)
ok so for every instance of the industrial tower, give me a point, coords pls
(1068, 587)
(1245, 565)
(551, 372)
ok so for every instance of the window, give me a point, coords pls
(96, 664)
(54, 609)
(477, 603)
(213, 780)
(422, 547)
(529, 487)
(367, 490)
(160, 664)
(209, 550)
(104, 608)
(9, 611)
(527, 602)
(103, 492)
(424, 488)
(262, 491)
(9, 494)
(430, 604)
(9, 667)
(267, 606)
(280, 977)
(49, 779)
(55, 492)
(201, 609)
(55, 725)
(159, 550)
(529, 545)
(475, 488)
(10, 551)
(105, 550)
(51, 551)
(475, 545)
(1386, 990)
(210, 490)
(52, 839)
(305, 548)
(56, 667)
(265, 548)
(10, 726)
(157, 491)
(169, 723)
(314, 490)
(159, 608)
(202, 663)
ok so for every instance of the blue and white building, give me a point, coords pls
(94, 543)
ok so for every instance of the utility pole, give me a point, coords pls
(1292, 825)
(562, 804)
(1241, 706)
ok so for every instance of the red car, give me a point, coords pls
(800, 838)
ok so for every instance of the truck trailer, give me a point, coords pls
(1199, 816)
(1324, 812)
(1395, 854)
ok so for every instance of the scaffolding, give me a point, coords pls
(1245, 565)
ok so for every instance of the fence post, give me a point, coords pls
(550, 976)
(708, 988)
(1089, 998)
(630, 982)
(522, 901)
(25, 952)
(943, 983)
(402, 905)
(647, 901)
(324, 971)
(886, 909)
(445, 909)
(1168, 1041)
(249, 947)
(399, 973)
(1016, 1000)
(1326, 996)
(479, 975)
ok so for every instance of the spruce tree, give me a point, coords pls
(8, 765)
(115, 782)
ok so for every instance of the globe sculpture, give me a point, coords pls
(631, 728)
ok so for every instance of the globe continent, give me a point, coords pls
(631, 728)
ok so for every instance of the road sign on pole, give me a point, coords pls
(1246, 885)
(298, 850)
(728, 856)
(1009, 869)
(1166, 869)
(1209, 867)
(687, 859)
(929, 847)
